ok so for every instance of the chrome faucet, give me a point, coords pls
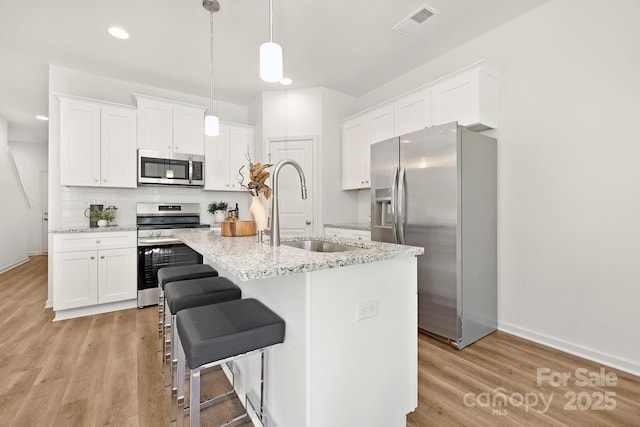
(275, 208)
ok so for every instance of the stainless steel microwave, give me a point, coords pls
(166, 168)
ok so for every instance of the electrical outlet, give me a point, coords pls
(367, 309)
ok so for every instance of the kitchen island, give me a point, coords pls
(350, 350)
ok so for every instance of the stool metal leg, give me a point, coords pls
(194, 398)
(178, 403)
(171, 352)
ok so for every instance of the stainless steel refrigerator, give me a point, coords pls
(436, 188)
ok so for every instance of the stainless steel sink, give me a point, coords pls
(319, 246)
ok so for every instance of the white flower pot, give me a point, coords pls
(218, 216)
(102, 222)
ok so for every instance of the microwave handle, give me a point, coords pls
(190, 171)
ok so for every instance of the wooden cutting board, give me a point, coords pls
(238, 228)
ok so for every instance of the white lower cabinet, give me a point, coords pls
(99, 274)
(347, 233)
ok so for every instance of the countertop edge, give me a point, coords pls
(261, 261)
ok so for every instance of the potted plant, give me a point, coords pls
(101, 217)
(218, 210)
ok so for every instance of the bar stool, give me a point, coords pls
(175, 274)
(186, 294)
(212, 335)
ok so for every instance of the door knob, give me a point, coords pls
(308, 222)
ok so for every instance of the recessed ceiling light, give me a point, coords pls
(45, 118)
(286, 81)
(118, 33)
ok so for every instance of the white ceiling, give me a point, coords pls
(345, 45)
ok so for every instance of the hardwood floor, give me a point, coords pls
(105, 370)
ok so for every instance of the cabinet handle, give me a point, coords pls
(169, 147)
(359, 238)
(308, 222)
(96, 180)
(93, 257)
(97, 241)
(176, 147)
(101, 256)
(104, 180)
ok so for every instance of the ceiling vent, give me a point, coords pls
(418, 17)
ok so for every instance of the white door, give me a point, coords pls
(44, 197)
(296, 215)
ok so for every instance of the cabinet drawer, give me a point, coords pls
(347, 233)
(93, 241)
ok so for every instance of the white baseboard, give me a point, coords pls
(95, 309)
(13, 265)
(630, 366)
(48, 304)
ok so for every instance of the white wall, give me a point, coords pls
(569, 180)
(31, 160)
(13, 214)
(315, 112)
(337, 205)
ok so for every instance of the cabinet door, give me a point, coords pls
(216, 161)
(353, 154)
(116, 275)
(188, 130)
(79, 143)
(379, 126)
(410, 113)
(379, 123)
(240, 143)
(75, 279)
(118, 147)
(470, 98)
(155, 129)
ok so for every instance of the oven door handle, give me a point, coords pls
(159, 241)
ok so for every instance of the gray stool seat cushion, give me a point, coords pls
(196, 292)
(216, 332)
(184, 272)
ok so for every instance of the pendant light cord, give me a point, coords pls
(271, 20)
(211, 63)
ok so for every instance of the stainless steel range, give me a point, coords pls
(157, 246)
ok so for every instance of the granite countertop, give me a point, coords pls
(87, 229)
(351, 226)
(246, 259)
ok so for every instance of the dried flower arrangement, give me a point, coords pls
(258, 175)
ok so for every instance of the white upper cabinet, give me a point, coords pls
(170, 126)
(379, 124)
(469, 97)
(225, 154)
(97, 143)
(410, 113)
(355, 169)
(358, 134)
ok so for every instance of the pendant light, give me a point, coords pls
(270, 55)
(211, 122)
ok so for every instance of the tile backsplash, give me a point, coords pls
(75, 200)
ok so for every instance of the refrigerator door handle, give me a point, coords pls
(394, 202)
(400, 209)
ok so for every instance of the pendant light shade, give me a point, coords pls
(271, 62)
(211, 125)
(271, 55)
